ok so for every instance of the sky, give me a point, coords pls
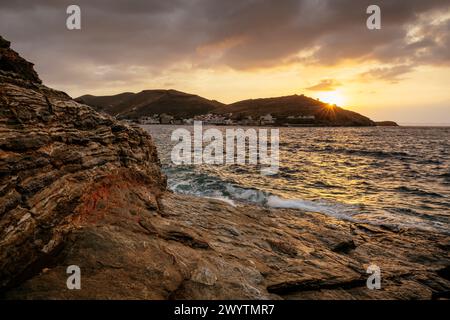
(235, 50)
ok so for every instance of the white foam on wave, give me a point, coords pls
(352, 214)
(224, 199)
(335, 210)
(243, 194)
(235, 195)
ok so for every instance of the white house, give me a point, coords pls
(267, 119)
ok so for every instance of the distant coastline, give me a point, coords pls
(176, 107)
(443, 125)
(386, 124)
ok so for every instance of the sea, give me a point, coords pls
(396, 177)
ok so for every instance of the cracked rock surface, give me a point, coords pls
(80, 188)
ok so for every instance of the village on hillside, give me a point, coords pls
(228, 119)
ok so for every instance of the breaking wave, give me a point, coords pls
(389, 177)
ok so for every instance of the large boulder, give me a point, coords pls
(52, 151)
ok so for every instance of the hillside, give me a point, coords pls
(145, 103)
(183, 105)
(296, 105)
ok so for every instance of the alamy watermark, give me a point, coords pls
(374, 20)
(74, 280)
(236, 146)
(73, 21)
(374, 280)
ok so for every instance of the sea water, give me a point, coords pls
(391, 176)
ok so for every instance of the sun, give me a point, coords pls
(332, 97)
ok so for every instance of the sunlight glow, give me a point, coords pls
(332, 97)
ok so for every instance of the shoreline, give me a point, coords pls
(199, 248)
(274, 202)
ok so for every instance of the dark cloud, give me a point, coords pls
(120, 37)
(325, 85)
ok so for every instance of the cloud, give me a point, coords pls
(325, 85)
(391, 74)
(154, 36)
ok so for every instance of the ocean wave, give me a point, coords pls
(418, 192)
(186, 181)
(329, 170)
(336, 210)
(354, 214)
(370, 153)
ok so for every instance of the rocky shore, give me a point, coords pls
(80, 188)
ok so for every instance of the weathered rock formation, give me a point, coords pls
(52, 150)
(13, 65)
(79, 188)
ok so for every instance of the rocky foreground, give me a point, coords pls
(80, 188)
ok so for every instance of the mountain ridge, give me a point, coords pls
(185, 105)
(146, 102)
